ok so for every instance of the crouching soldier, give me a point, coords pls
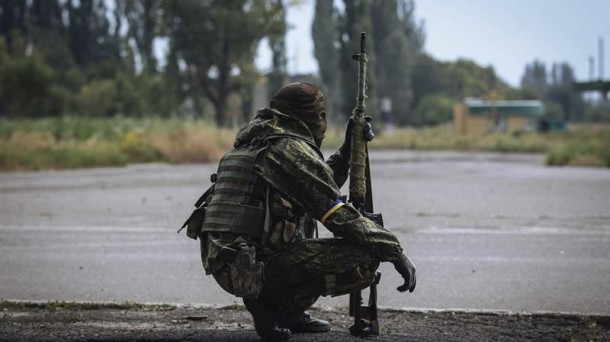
(259, 234)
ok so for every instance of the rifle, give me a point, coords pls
(366, 322)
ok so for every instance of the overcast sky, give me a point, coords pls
(506, 34)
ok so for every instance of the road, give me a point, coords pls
(486, 231)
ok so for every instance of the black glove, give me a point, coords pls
(405, 267)
(367, 133)
(367, 130)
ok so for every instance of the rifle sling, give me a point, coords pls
(368, 200)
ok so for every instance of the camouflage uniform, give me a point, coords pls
(299, 267)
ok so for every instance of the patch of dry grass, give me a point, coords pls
(82, 142)
(193, 144)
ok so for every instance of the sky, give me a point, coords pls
(504, 34)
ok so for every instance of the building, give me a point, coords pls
(478, 116)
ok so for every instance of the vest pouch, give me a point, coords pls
(247, 275)
(234, 217)
(195, 223)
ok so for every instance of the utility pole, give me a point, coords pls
(601, 57)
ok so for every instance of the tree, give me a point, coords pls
(47, 35)
(535, 79)
(144, 19)
(561, 91)
(470, 79)
(415, 33)
(216, 42)
(277, 44)
(26, 83)
(325, 37)
(13, 15)
(395, 54)
(430, 76)
(456, 80)
(88, 31)
(433, 109)
(354, 20)
(555, 87)
(393, 42)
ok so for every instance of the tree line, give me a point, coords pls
(101, 58)
(421, 89)
(98, 57)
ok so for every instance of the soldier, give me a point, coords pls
(259, 236)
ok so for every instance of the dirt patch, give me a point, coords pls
(20, 321)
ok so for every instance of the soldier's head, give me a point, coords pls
(305, 102)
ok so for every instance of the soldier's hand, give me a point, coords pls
(367, 133)
(367, 130)
(405, 267)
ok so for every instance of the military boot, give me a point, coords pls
(303, 323)
(265, 322)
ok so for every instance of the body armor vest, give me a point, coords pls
(239, 203)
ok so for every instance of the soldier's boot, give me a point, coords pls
(265, 321)
(303, 323)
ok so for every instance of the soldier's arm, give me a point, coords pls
(295, 170)
(339, 164)
(349, 224)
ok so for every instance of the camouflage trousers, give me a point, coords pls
(297, 276)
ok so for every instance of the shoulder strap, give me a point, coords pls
(204, 196)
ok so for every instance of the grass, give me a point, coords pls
(72, 142)
(80, 142)
(442, 138)
(581, 145)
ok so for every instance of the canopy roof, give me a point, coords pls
(530, 108)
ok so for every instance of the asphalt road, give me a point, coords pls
(486, 231)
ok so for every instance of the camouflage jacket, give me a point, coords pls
(303, 186)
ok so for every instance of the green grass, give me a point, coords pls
(73, 142)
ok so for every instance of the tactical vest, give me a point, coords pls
(239, 203)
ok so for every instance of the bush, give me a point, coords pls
(583, 146)
(433, 110)
(98, 99)
(137, 146)
(27, 88)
